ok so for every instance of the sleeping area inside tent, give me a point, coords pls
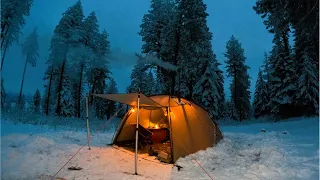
(154, 132)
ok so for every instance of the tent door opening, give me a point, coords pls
(153, 137)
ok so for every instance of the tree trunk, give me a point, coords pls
(58, 108)
(190, 87)
(4, 32)
(175, 62)
(24, 72)
(179, 86)
(48, 95)
(235, 89)
(79, 92)
(3, 26)
(92, 91)
(3, 55)
(3, 94)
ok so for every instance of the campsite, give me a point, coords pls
(159, 89)
(172, 127)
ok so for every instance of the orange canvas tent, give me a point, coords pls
(191, 129)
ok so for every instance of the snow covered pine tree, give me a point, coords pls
(240, 94)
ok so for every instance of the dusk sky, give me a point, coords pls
(121, 18)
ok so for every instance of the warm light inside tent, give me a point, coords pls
(132, 110)
(157, 126)
(172, 114)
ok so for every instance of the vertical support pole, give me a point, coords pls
(179, 88)
(88, 128)
(170, 128)
(137, 133)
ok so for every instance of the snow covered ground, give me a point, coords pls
(286, 150)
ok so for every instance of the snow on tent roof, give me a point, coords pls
(130, 99)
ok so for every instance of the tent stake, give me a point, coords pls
(88, 129)
(137, 133)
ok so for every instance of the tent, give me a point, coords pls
(189, 127)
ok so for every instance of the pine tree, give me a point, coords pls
(206, 92)
(283, 86)
(51, 76)
(266, 71)
(30, 50)
(195, 50)
(231, 112)
(170, 52)
(220, 87)
(66, 34)
(98, 70)
(138, 78)
(260, 97)
(307, 61)
(308, 86)
(36, 102)
(82, 54)
(69, 29)
(67, 107)
(154, 26)
(240, 85)
(49, 97)
(112, 89)
(20, 103)
(303, 18)
(99, 87)
(13, 13)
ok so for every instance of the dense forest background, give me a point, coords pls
(176, 32)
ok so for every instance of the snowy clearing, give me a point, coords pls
(286, 150)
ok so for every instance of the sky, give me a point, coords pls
(121, 19)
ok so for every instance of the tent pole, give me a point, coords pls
(170, 120)
(179, 95)
(137, 133)
(88, 129)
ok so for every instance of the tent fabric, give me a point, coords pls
(163, 100)
(130, 99)
(192, 130)
(191, 127)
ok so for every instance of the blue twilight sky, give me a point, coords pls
(121, 18)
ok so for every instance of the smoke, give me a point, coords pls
(152, 59)
(119, 59)
(125, 59)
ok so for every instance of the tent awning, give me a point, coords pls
(130, 99)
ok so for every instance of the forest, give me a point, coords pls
(173, 32)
